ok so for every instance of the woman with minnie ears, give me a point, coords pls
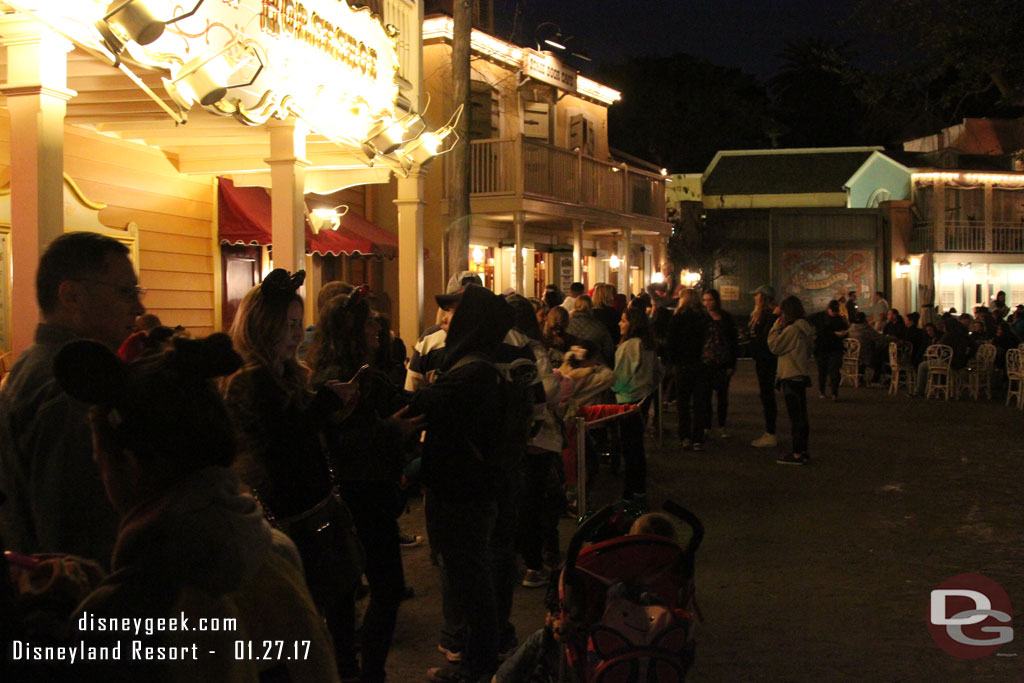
(280, 422)
(367, 453)
(190, 543)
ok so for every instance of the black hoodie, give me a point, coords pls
(463, 406)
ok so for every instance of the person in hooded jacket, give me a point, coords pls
(190, 545)
(469, 472)
(792, 340)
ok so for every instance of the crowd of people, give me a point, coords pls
(259, 475)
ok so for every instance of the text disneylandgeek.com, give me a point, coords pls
(136, 649)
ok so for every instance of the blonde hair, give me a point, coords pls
(655, 524)
(603, 294)
(688, 298)
(582, 306)
(260, 323)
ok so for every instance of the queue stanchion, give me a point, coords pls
(581, 469)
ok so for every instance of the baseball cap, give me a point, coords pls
(765, 290)
(456, 286)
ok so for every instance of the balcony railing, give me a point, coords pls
(521, 167)
(970, 236)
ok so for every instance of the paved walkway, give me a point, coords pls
(821, 573)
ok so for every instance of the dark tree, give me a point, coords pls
(678, 111)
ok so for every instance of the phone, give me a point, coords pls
(359, 372)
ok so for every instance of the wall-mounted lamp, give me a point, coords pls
(206, 79)
(326, 219)
(478, 255)
(691, 278)
(903, 268)
(391, 133)
(657, 277)
(431, 143)
(614, 262)
(133, 20)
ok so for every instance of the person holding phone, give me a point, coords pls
(367, 450)
(791, 339)
(279, 422)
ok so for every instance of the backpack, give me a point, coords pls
(514, 388)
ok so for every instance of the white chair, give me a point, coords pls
(978, 373)
(849, 371)
(940, 379)
(900, 354)
(1015, 377)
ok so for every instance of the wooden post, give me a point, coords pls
(37, 96)
(410, 205)
(287, 199)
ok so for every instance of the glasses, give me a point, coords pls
(130, 294)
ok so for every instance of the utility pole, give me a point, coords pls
(458, 211)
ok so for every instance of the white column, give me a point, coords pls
(37, 96)
(287, 189)
(410, 205)
(577, 251)
(519, 224)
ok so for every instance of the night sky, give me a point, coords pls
(747, 34)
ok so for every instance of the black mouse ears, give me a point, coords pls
(280, 284)
(89, 372)
(92, 373)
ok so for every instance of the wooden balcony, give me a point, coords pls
(976, 236)
(518, 167)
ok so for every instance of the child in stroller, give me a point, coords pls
(624, 608)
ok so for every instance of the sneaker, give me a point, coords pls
(409, 540)
(720, 433)
(698, 446)
(535, 578)
(451, 655)
(766, 440)
(687, 444)
(821, 395)
(792, 459)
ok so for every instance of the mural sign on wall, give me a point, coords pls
(817, 276)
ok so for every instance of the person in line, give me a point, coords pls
(583, 325)
(428, 352)
(831, 330)
(556, 337)
(86, 288)
(718, 363)
(604, 294)
(765, 362)
(791, 339)
(576, 290)
(279, 424)
(190, 544)
(637, 373)
(686, 333)
(469, 459)
(367, 453)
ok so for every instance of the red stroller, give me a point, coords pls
(626, 604)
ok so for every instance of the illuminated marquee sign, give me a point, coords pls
(293, 19)
(321, 60)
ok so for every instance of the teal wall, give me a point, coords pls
(879, 174)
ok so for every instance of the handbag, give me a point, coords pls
(331, 552)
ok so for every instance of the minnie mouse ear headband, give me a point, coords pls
(92, 373)
(279, 284)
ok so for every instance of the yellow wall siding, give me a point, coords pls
(175, 218)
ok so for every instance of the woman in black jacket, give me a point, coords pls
(367, 454)
(718, 363)
(686, 332)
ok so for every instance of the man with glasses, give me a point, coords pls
(86, 288)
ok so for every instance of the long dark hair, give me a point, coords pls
(340, 337)
(639, 327)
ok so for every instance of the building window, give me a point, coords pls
(484, 111)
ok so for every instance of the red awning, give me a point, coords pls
(244, 218)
